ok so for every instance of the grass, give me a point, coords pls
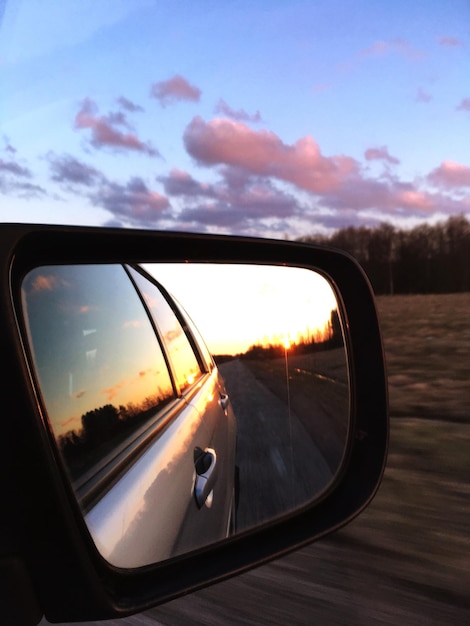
(422, 511)
(427, 346)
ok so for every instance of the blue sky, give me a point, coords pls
(258, 118)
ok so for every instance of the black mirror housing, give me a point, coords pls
(43, 537)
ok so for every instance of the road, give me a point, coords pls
(338, 581)
(280, 465)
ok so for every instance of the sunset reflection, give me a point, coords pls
(287, 342)
(99, 364)
(181, 354)
(239, 306)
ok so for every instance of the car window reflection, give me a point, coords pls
(99, 364)
(185, 364)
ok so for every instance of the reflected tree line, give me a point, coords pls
(325, 339)
(424, 259)
(104, 428)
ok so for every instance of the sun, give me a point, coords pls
(238, 306)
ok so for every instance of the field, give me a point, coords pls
(421, 515)
(427, 346)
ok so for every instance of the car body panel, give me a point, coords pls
(213, 520)
(132, 525)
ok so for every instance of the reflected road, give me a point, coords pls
(280, 466)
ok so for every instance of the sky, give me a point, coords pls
(265, 118)
(235, 307)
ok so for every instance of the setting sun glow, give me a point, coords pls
(238, 306)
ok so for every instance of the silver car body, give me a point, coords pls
(150, 487)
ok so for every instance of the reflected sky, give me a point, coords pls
(92, 342)
(237, 306)
(185, 366)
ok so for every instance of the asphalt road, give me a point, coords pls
(280, 466)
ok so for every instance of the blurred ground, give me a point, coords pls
(406, 559)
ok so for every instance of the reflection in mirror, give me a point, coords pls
(170, 441)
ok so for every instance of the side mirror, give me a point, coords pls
(186, 407)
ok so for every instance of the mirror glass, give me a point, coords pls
(187, 402)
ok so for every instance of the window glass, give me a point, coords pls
(184, 362)
(204, 350)
(99, 364)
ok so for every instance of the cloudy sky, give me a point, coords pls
(260, 118)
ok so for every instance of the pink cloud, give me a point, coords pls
(175, 89)
(450, 175)
(131, 324)
(464, 105)
(8, 147)
(14, 168)
(112, 392)
(45, 283)
(321, 87)
(128, 105)
(74, 419)
(180, 183)
(387, 195)
(360, 194)
(68, 170)
(262, 153)
(134, 202)
(239, 115)
(239, 211)
(104, 131)
(232, 202)
(400, 46)
(380, 154)
(415, 200)
(337, 182)
(450, 42)
(14, 178)
(423, 96)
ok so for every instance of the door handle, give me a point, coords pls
(224, 401)
(206, 475)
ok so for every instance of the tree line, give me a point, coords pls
(330, 339)
(104, 428)
(424, 259)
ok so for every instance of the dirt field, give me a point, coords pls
(427, 346)
(422, 510)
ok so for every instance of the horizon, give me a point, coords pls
(237, 306)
